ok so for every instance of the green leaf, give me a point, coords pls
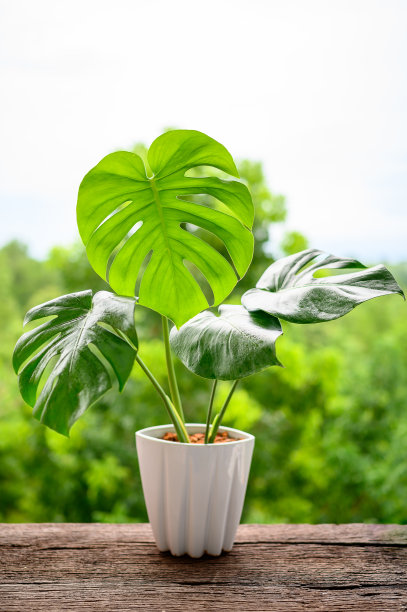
(124, 216)
(86, 334)
(232, 345)
(289, 290)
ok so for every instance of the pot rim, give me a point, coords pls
(161, 429)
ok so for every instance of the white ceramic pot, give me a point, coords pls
(194, 493)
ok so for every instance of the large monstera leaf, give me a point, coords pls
(86, 331)
(288, 289)
(125, 216)
(233, 345)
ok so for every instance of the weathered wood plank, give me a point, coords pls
(328, 533)
(272, 567)
(102, 533)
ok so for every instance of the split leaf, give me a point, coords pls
(288, 289)
(135, 226)
(89, 339)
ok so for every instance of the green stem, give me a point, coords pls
(175, 396)
(172, 412)
(209, 414)
(218, 418)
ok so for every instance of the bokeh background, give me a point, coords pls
(310, 97)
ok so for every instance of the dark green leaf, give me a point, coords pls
(232, 345)
(124, 216)
(85, 332)
(289, 290)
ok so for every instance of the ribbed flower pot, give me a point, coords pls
(194, 493)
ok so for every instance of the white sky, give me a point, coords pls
(315, 89)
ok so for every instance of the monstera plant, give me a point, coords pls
(149, 237)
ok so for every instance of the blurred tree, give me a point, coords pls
(330, 427)
(73, 270)
(26, 275)
(293, 242)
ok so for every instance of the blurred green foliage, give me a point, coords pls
(330, 427)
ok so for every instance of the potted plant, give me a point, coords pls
(160, 248)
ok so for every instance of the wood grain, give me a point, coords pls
(75, 567)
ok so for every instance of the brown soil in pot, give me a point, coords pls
(199, 438)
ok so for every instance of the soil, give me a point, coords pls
(199, 438)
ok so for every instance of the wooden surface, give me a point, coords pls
(74, 567)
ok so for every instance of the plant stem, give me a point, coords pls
(209, 414)
(173, 414)
(218, 418)
(175, 396)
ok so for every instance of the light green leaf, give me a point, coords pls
(232, 345)
(289, 290)
(124, 216)
(85, 334)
